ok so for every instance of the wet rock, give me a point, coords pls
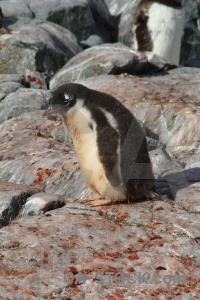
(39, 46)
(23, 100)
(12, 198)
(41, 203)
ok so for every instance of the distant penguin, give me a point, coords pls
(109, 142)
(158, 27)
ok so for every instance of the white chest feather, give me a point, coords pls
(83, 132)
(166, 28)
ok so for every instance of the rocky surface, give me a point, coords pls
(103, 59)
(51, 245)
(46, 51)
(109, 59)
(155, 244)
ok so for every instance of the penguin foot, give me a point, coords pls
(97, 201)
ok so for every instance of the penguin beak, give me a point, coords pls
(48, 112)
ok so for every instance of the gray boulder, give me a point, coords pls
(41, 46)
(9, 83)
(21, 101)
(74, 15)
(109, 59)
(16, 9)
(103, 59)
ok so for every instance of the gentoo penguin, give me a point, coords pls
(158, 27)
(109, 143)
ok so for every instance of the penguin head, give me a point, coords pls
(66, 98)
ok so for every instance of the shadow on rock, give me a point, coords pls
(170, 184)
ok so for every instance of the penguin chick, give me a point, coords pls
(158, 27)
(109, 142)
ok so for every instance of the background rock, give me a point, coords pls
(14, 9)
(103, 59)
(109, 59)
(41, 46)
(22, 101)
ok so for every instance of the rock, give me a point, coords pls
(192, 62)
(109, 59)
(189, 198)
(92, 41)
(116, 7)
(103, 59)
(190, 48)
(8, 87)
(194, 162)
(164, 104)
(162, 162)
(75, 16)
(12, 198)
(39, 46)
(106, 25)
(9, 84)
(12, 78)
(41, 203)
(168, 105)
(12, 8)
(23, 100)
(32, 157)
(74, 239)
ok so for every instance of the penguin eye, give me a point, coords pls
(68, 99)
